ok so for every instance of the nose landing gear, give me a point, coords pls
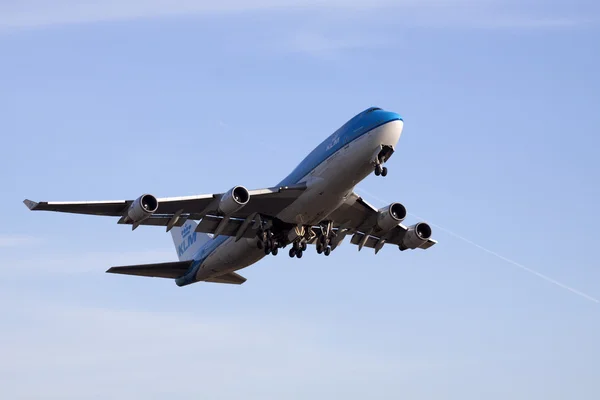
(379, 170)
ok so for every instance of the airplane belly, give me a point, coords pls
(230, 256)
(333, 180)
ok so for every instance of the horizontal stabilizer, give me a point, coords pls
(230, 277)
(163, 270)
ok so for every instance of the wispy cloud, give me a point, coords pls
(329, 46)
(35, 13)
(483, 13)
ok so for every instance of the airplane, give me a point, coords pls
(315, 204)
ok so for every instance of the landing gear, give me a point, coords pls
(319, 248)
(382, 156)
(325, 239)
(295, 253)
(267, 242)
(379, 170)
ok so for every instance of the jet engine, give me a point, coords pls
(390, 216)
(234, 200)
(416, 236)
(142, 207)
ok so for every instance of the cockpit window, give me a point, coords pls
(372, 109)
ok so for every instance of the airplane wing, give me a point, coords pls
(174, 211)
(359, 218)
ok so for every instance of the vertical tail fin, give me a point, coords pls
(187, 241)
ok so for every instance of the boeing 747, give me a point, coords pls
(314, 205)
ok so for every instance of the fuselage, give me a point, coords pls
(330, 172)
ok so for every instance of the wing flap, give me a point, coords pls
(162, 270)
(210, 223)
(370, 243)
(428, 244)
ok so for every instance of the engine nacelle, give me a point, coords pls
(234, 200)
(416, 236)
(390, 216)
(142, 207)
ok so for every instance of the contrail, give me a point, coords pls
(508, 260)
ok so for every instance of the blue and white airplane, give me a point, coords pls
(314, 205)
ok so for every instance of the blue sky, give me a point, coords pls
(118, 98)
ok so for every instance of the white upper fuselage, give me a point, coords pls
(329, 181)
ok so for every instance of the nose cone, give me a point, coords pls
(390, 126)
(388, 116)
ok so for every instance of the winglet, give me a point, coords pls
(32, 205)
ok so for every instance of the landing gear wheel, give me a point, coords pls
(275, 251)
(299, 254)
(292, 252)
(378, 170)
(304, 246)
(319, 248)
(384, 171)
(328, 251)
(259, 244)
(267, 250)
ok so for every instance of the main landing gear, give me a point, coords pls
(325, 239)
(267, 241)
(298, 248)
(271, 243)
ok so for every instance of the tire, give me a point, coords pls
(292, 252)
(299, 254)
(328, 251)
(384, 171)
(275, 251)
